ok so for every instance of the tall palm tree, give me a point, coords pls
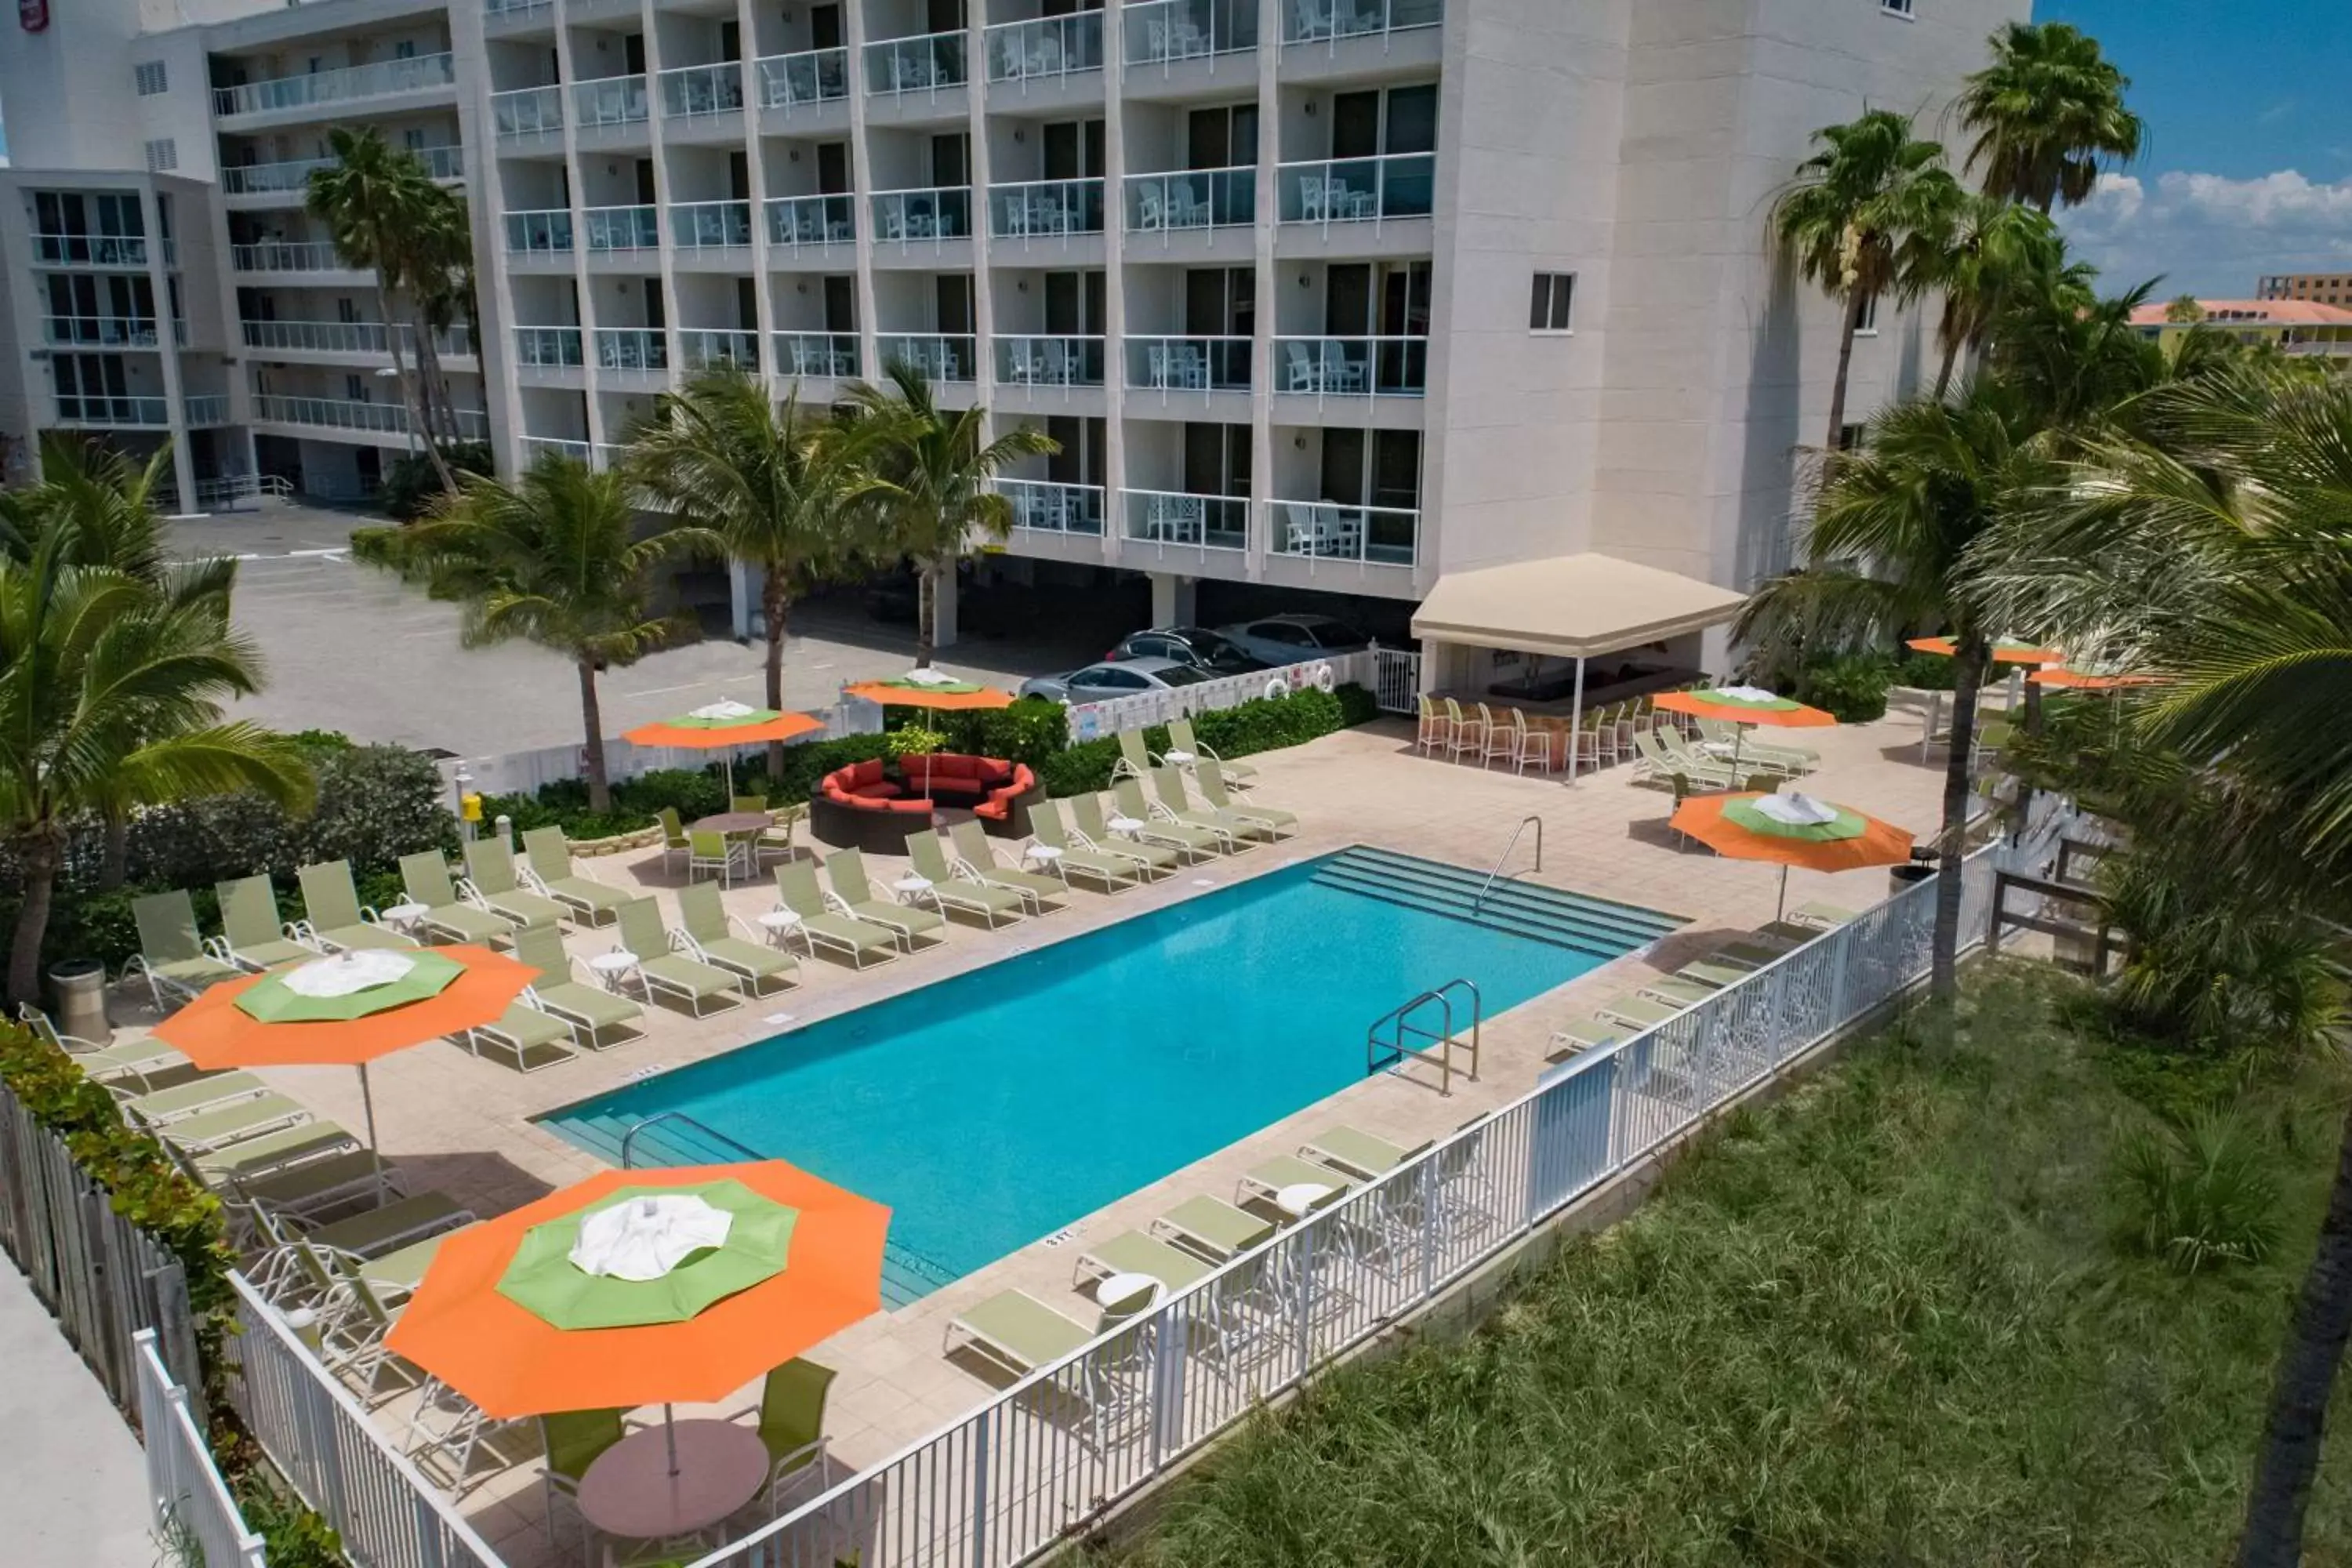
(438, 263)
(776, 485)
(2075, 363)
(1891, 541)
(553, 559)
(1863, 218)
(928, 479)
(2047, 114)
(1994, 253)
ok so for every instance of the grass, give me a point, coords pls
(1904, 1316)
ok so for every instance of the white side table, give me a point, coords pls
(1297, 1199)
(404, 918)
(1046, 853)
(1120, 1286)
(1125, 827)
(613, 967)
(780, 925)
(910, 888)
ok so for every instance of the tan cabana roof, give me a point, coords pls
(1571, 606)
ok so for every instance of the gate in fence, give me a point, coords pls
(191, 1503)
(1396, 679)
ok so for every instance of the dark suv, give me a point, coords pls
(1210, 652)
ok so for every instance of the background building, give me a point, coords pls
(2321, 287)
(2300, 327)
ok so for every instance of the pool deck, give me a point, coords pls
(464, 1126)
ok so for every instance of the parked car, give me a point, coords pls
(1101, 682)
(1286, 640)
(1196, 645)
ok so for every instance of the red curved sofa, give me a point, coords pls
(857, 806)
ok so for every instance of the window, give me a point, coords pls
(404, 50)
(1548, 309)
(355, 389)
(151, 77)
(1848, 438)
(162, 156)
(1866, 323)
(1895, 8)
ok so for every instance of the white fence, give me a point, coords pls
(523, 773)
(190, 1504)
(1092, 721)
(1054, 1453)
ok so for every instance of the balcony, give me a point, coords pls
(1357, 190)
(941, 358)
(1056, 362)
(1192, 199)
(94, 250)
(548, 348)
(345, 338)
(621, 228)
(925, 64)
(1188, 364)
(1044, 48)
(1328, 21)
(547, 232)
(708, 348)
(609, 102)
(1045, 208)
(905, 217)
(1351, 367)
(632, 349)
(1334, 531)
(690, 91)
(1165, 31)
(797, 221)
(832, 355)
(336, 413)
(595, 457)
(292, 175)
(798, 81)
(1178, 517)
(709, 226)
(315, 89)
(527, 112)
(204, 411)
(513, 10)
(288, 256)
(115, 413)
(107, 332)
(1043, 506)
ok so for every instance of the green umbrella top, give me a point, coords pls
(1754, 697)
(724, 715)
(743, 1239)
(348, 986)
(944, 685)
(1798, 816)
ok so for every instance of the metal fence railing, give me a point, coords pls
(1056, 1450)
(190, 1503)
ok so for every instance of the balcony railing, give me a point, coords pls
(548, 348)
(1188, 364)
(795, 81)
(98, 408)
(691, 90)
(205, 410)
(287, 256)
(344, 337)
(337, 413)
(1176, 517)
(941, 358)
(609, 100)
(1043, 506)
(1352, 367)
(796, 221)
(1062, 362)
(1335, 531)
(708, 348)
(709, 226)
(833, 354)
(924, 64)
(527, 112)
(443, 163)
(1165, 31)
(377, 80)
(1319, 21)
(1045, 208)
(267, 179)
(1357, 189)
(103, 331)
(495, 9)
(537, 446)
(1045, 46)
(1192, 198)
(905, 217)
(632, 348)
(90, 250)
(621, 228)
(548, 232)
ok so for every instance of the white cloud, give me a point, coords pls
(2210, 233)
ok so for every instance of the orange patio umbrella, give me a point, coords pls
(2007, 650)
(1743, 705)
(1793, 830)
(725, 724)
(936, 691)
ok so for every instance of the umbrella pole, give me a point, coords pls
(1783, 907)
(367, 1105)
(669, 1438)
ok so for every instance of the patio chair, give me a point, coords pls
(1264, 1181)
(253, 935)
(193, 1098)
(525, 1037)
(1088, 827)
(1212, 1228)
(395, 1225)
(547, 860)
(1158, 826)
(1434, 728)
(332, 916)
(689, 980)
(573, 1440)
(790, 1414)
(1184, 747)
(591, 1009)
(208, 1131)
(145, 1059)
(1634, 1013)
(285, 1148)
(1209, 774)
(1073, 859)
(711, 852)
(1820, 917)
(775, 840)
(1305, 371)
(712, 936)
(857, 940)
(1354, 1152)
(425, 876)
(852, 895)
(1134, 760)
(950, 891)
(1016, 1332)
(172, 957)
(676, 846)
(1234, 831)
(491, 878)
(348, 1338)
(1585, 1034)
(747, 803)
(1136, 1252)
(1659, 761)
(1464, 733)
(975, 860)
(301, 1193)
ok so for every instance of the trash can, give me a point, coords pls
(79, 984)
(1902, 877)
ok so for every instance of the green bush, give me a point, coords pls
(1925, 672)
(1850, 686)
(2201, 1193)
(410, 485)
(1082, 769)
(1029, 732)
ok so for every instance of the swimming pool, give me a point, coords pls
(994, 1108)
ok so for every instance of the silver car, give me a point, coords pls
(1101, 682)
(1287, 639)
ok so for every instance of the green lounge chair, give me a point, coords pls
(676, 846)
(217, 1129)
(315, 1186)
(1133, 1252)
(286, 1149)
(790, 1414)
(1820, 917)
(1134, 760)
(172, 956)
(1018, 1333)
(395, 1225)
(950, 891)
(854, 895)
(207, 1094)
(702, 913)
(1172, 804)
(1195, 843)
(1586, 1034)
(332, 916)
(853, 939)
(547, 854)
(1264, 1181)
(490, 878)
(1677, 992)
(1086, 822)
(1749, 952)
(525, 1037)
(593, 1009)
(145, 1060)
(1184, 747)
(1212, 1228)
(659, 969)
(425, 876)
(1352, 1151)
(1714, 972)
(1635, 1013)
(975, 860)
(395, 1276)
(1209, 774)
(1654, 762)
(253, 934)
(1073, 859)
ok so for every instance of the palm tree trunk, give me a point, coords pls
(40, 852)
(1944, 371)
(408, 399)
(774, 600)
(437, 384)
(925, 594)
(114, 869)
(592, 719)
(1950, 873)
(2307, 1376)
(1854, 301)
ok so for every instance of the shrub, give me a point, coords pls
(1852, 687)
(1082, 769)
(2201, 1193)
(1029, 732)
(410, 485)
(1926, 671)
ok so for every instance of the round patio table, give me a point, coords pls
(628, 1493)
(734, 822)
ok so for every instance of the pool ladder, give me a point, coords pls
(1504, 858)
(1396, 1036)
(629, 1136)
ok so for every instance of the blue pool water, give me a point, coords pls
(992, 1108)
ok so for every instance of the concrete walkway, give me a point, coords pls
(73, 1482)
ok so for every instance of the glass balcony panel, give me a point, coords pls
(632, 348)
(1358, 190)
(1335, 531)
(709, 226)
(548, 348)
(1188, 364)
(941, 358)
(1317, 21)
(609, 100)
(705, 348)
(528, 112)
(1045, 46)
(907, 215)
(813, 76)
(924, 64)
(796, 221)
(830, 355)
(1045, 208)
(413, 74)
(1201, 521)
(549, 232)
(621, 228)
(1192, 198)
(1061, 362)
(692, 90)
(1352, 367)
(1044, 506)
(1165, 31)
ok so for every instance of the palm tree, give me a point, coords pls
(553, 559)
(1995, 253)
(110, 694)
(2075, 363)
(928, 479)
(1892, 538)
(2184, 310)
(1863, 218)
(438, 263)
(775, 485)
(2047, 114)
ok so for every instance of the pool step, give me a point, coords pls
(1594, 926)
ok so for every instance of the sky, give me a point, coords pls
(2247, 167)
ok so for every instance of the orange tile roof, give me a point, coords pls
(2253, 314)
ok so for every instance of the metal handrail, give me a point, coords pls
(715, 1136)
(1398, 1016)
(1504, 858)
